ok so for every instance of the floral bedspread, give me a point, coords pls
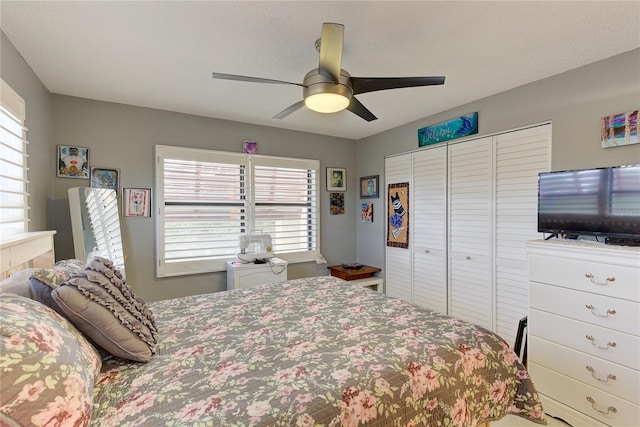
(313, 352)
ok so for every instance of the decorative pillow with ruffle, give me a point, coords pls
(100, 304)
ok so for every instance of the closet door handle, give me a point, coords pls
(610, 409)
(593, 374)
(594, 343)
(609, 312)
(595, 280)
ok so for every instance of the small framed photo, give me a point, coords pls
(73, 162)
(369, 187)
(249, 147)
(336, 179)
(136, 202)
(367, 212)
(105, 178)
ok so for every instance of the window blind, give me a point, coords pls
(13, 163)
(207, 199)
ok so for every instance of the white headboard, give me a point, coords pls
(32, 249)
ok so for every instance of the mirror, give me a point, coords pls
(95, 222)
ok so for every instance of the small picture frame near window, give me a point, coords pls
(369, 187)
(105, 178)
(136, 202)
(336, 179)
(73, 162)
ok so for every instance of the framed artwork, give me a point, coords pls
(105, 178)
(620, 129)
(336, 203)
(336, 179)
(398, 215)
(249, 147)
(73, 162)
(136, 202)
(367, 212)
(369, 187)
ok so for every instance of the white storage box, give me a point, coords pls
(242, 275)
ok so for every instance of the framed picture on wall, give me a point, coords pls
(73, 162)
(369, 187)
(105, 178)
(136, 202)
(336, 179)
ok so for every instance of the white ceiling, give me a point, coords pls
(161, 54)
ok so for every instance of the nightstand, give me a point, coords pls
(363, 276)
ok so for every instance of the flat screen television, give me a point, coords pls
(594, 202)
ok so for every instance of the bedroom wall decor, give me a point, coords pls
(336, 203)
(619, 129)
(369, 187)
(398, 215)
(451, 129)
(250, 147)
(73, 162)
(136, 202)
(367, 212)
(105, 178)
(336, 179)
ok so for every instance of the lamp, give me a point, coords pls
(323, 95)
(326, 102)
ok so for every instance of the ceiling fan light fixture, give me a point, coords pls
(326, 102)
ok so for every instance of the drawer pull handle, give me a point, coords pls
(609, 312)
(594, 343)
(595, 281)
(467, 257)
(426, 251)
(610, 409)
(593, 374)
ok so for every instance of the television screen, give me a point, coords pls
(600, 202)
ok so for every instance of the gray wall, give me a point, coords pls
(15, 71)
(122, 136)
(574, 101)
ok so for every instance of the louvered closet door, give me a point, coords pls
(398, 270)
(429, 225)
(520, 156)
(471, 231)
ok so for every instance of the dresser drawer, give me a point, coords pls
(621, 315)
(619, 281)
(598, 404)
(601, 374)
(605, 343)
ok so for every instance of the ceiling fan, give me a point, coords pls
(329, 88)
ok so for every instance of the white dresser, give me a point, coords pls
(242, 275)
(584, 331)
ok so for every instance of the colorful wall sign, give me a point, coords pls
(448, 130)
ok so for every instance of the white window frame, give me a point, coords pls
(13, 108)
(250, 161)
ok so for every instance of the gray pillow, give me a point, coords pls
(18, 284)
(101, 305)
(43, 281)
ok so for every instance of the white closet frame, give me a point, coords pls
(505, 255)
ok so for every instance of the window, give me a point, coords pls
(206, 199)
(14, 215)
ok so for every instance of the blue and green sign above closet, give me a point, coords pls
(448, 130)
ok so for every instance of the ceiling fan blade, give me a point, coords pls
(331, 44)
(356, 107)
(290, 109)
(251, 79)
(372, 84)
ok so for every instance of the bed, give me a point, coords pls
(305, 352)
